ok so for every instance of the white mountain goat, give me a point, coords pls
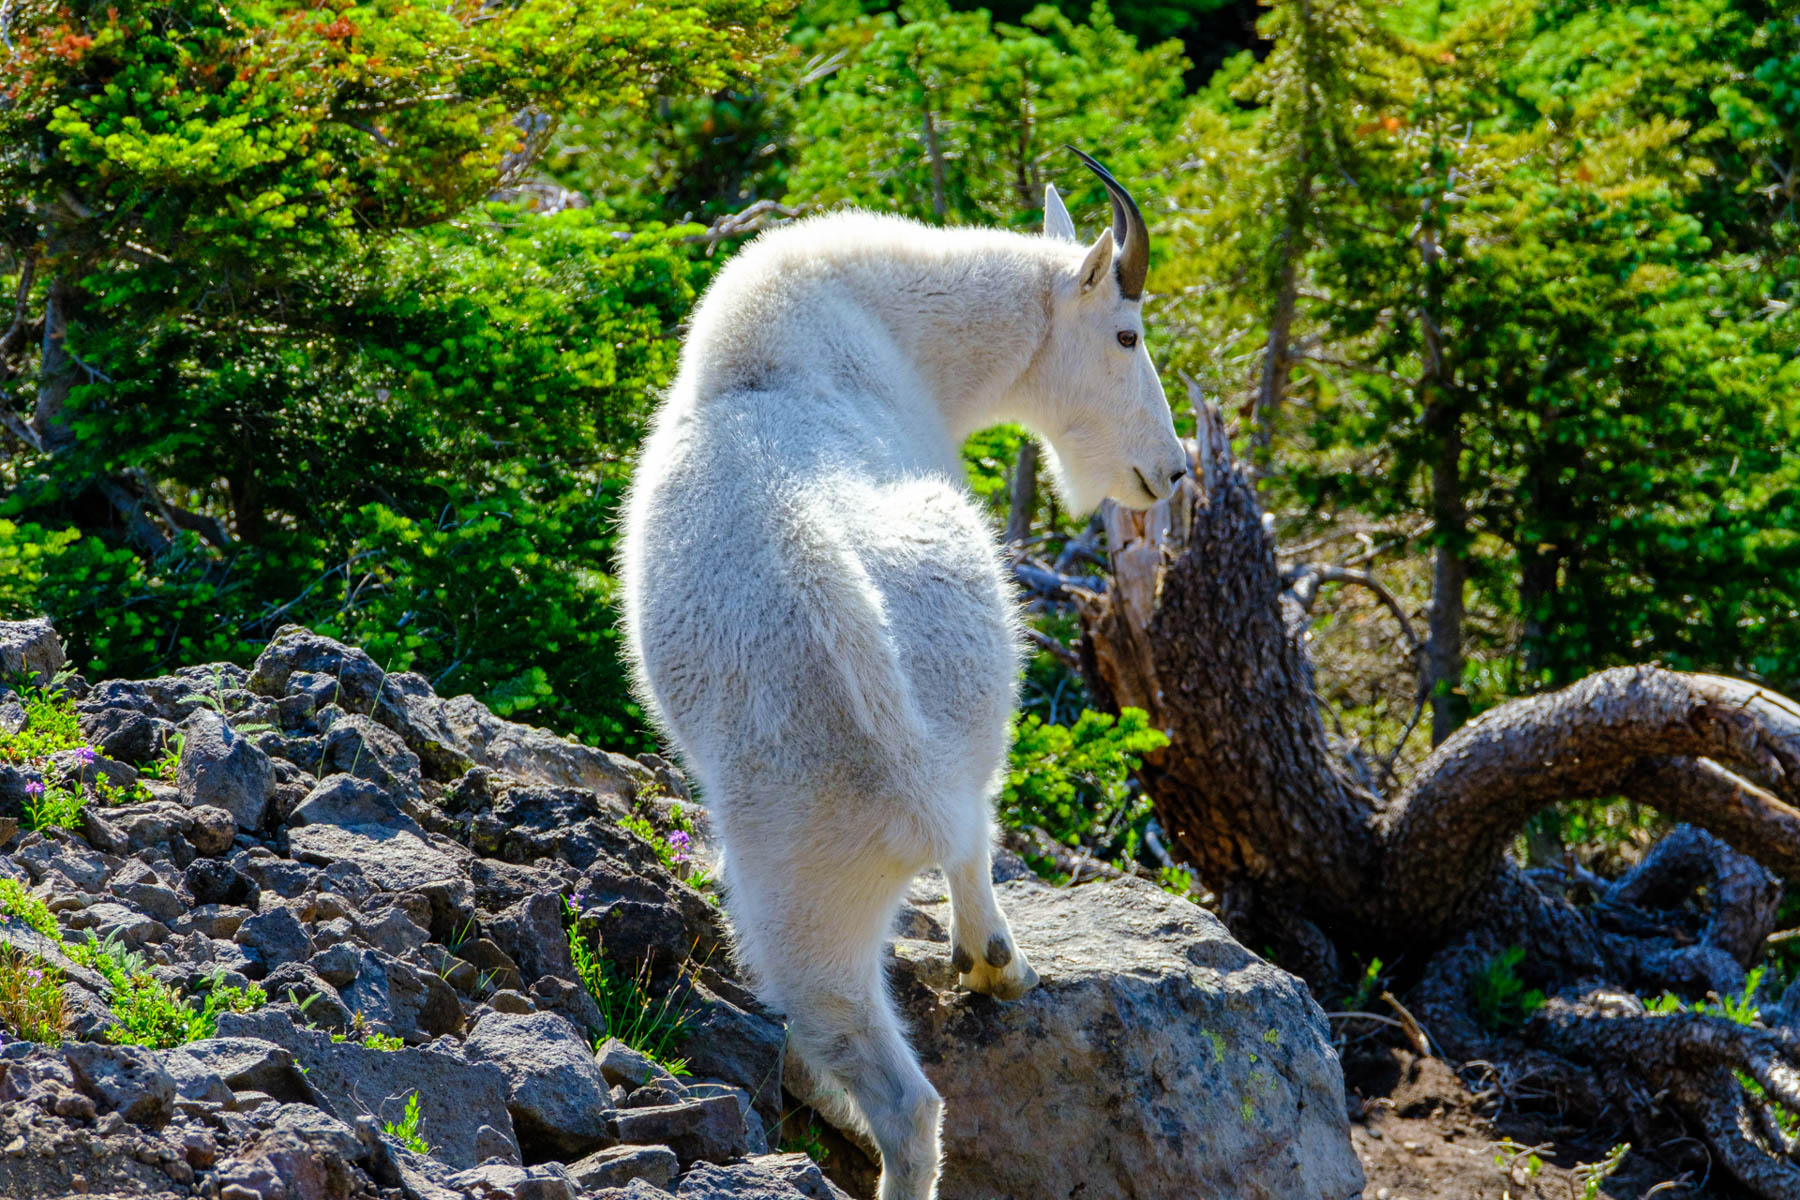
(818, 611)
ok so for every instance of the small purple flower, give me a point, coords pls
(35, 975)
(34, 789)
(86, 755)
(679, 839)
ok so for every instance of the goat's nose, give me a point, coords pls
(1176, 478)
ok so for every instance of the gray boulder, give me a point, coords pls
(1156, 1058)
(526, 752)
(351, 678)
(407, 1002)
(357, 746)
(127, 1080)
(275, 937)
(251, 1064)
(772, 1177)
(346, 799)
(617, 1166)
(394, 860)
(306, 1155)
(740, 1047)
(498, 1181)
(222, 768)
(709, 1128)
(462, 1105)
(29, 647)
(558, 1098)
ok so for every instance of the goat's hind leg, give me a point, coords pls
(982, 947)
(816, 947)
(858, 1056)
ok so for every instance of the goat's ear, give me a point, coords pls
(1097, 263)
(1057, 222)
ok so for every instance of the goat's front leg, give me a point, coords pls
(987, 958)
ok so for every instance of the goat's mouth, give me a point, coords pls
(1145, 484)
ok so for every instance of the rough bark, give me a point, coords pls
(1449, 574)
(1262, 811)
(1657, 735)
(1198, 626)
(56, 373)
(1024, 493)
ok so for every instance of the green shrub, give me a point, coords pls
(407, 1127)
(1074, 781)
(1502, 1001)
(18, 904)
(151, 1012)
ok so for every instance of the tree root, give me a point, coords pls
(1595, 1047)
(1737, 1084)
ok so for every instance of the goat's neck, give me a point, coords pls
(973, 331)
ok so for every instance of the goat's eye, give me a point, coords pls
(1128, 338)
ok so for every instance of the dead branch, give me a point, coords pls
(176, 517)
(1594, 738)
(16, 331)
(759, 216)
(1041, 581)
(142, 531)
(1745, 898)
(1305, 580)
(1023, 493)
(1050, 645)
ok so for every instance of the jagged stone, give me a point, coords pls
(558, 1099)
(617, 1166)
(126, 734)
(462, 1105)
(707, 1128)
(357, 746)
(275, 937)
(29, 647)
(392, 859)
(251, 1064)
(742, 1048)
(330, 671)
(224, 769)
(345, 799)
(305, 1155)
(758, 1179)
(404, 1001)
(127, 1080)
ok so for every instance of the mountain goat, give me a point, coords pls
(817, 610)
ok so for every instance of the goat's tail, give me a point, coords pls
(848, 619)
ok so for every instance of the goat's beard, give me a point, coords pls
(1079, 496)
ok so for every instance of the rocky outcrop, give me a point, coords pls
(1156, 1057)
(399, 875)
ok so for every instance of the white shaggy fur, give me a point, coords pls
(818, 612)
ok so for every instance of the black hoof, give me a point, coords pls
(962, 960)
(999, 951)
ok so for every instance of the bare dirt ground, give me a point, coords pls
(1423, 1134)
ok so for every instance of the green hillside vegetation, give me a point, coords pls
(351, 315)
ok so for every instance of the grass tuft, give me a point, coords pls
(31, 998)
(648, 1025)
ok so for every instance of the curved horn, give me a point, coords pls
(1132, 262)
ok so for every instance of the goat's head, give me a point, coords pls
(1093, 389)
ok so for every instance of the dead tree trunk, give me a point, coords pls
(1196, 628)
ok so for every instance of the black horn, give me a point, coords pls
(1131, 261)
